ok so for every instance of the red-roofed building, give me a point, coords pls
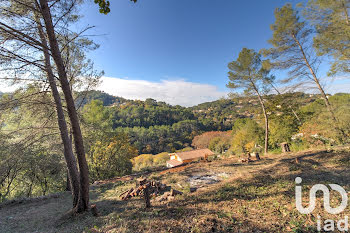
(179, 158)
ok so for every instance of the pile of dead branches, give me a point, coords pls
(154, 187)
(147, 189)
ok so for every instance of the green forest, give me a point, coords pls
(120, 134)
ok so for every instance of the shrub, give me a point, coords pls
(202, 141)
(219, 144)
(144, 161)
(246, 135)
(110, 158)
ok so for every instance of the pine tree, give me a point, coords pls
(332, 23)
(292, 50)
(247, 73)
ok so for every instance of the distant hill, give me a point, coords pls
(215, 115)
(85, 97)
(224, 112)
(155, 126)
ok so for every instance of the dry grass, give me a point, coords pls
(257, 197)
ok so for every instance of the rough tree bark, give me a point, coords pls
(68, 184)
(72, 113)
(73, 173)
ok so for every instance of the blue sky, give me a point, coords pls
(149, 47)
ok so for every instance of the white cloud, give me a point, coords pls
(6, 86)
(337, 84)
(340, 78)
(331, 85)
(170, 91)
(339, 88)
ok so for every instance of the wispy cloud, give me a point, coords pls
(179, 91)
(7, 87)
(341, 78)
(174, 92)
(337, 84)
(339, 87)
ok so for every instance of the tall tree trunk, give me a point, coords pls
(266, 118)
(324, 96)
(73, 173)
(68, 183)
(73, 116)
(266, 124)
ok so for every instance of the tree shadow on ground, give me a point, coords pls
(229, 207)
(131, 216)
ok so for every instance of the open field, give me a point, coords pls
(254, 197)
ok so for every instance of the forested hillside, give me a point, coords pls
(154, 127)
(85, 97)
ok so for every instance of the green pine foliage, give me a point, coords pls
(332, 24)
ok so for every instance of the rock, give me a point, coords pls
(255, 155)
(246, 160)
(192, 190)
(94, 211)
(174, 192)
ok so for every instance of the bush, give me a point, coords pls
(203, 141)
(299, 145)
(219, 144)
(246, 135)
(145, 161)
(282, 128)
(111, 158)
(161, 158)
(318, 121)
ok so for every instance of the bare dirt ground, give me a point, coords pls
(254, 197)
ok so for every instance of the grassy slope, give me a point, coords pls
(257, 197)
